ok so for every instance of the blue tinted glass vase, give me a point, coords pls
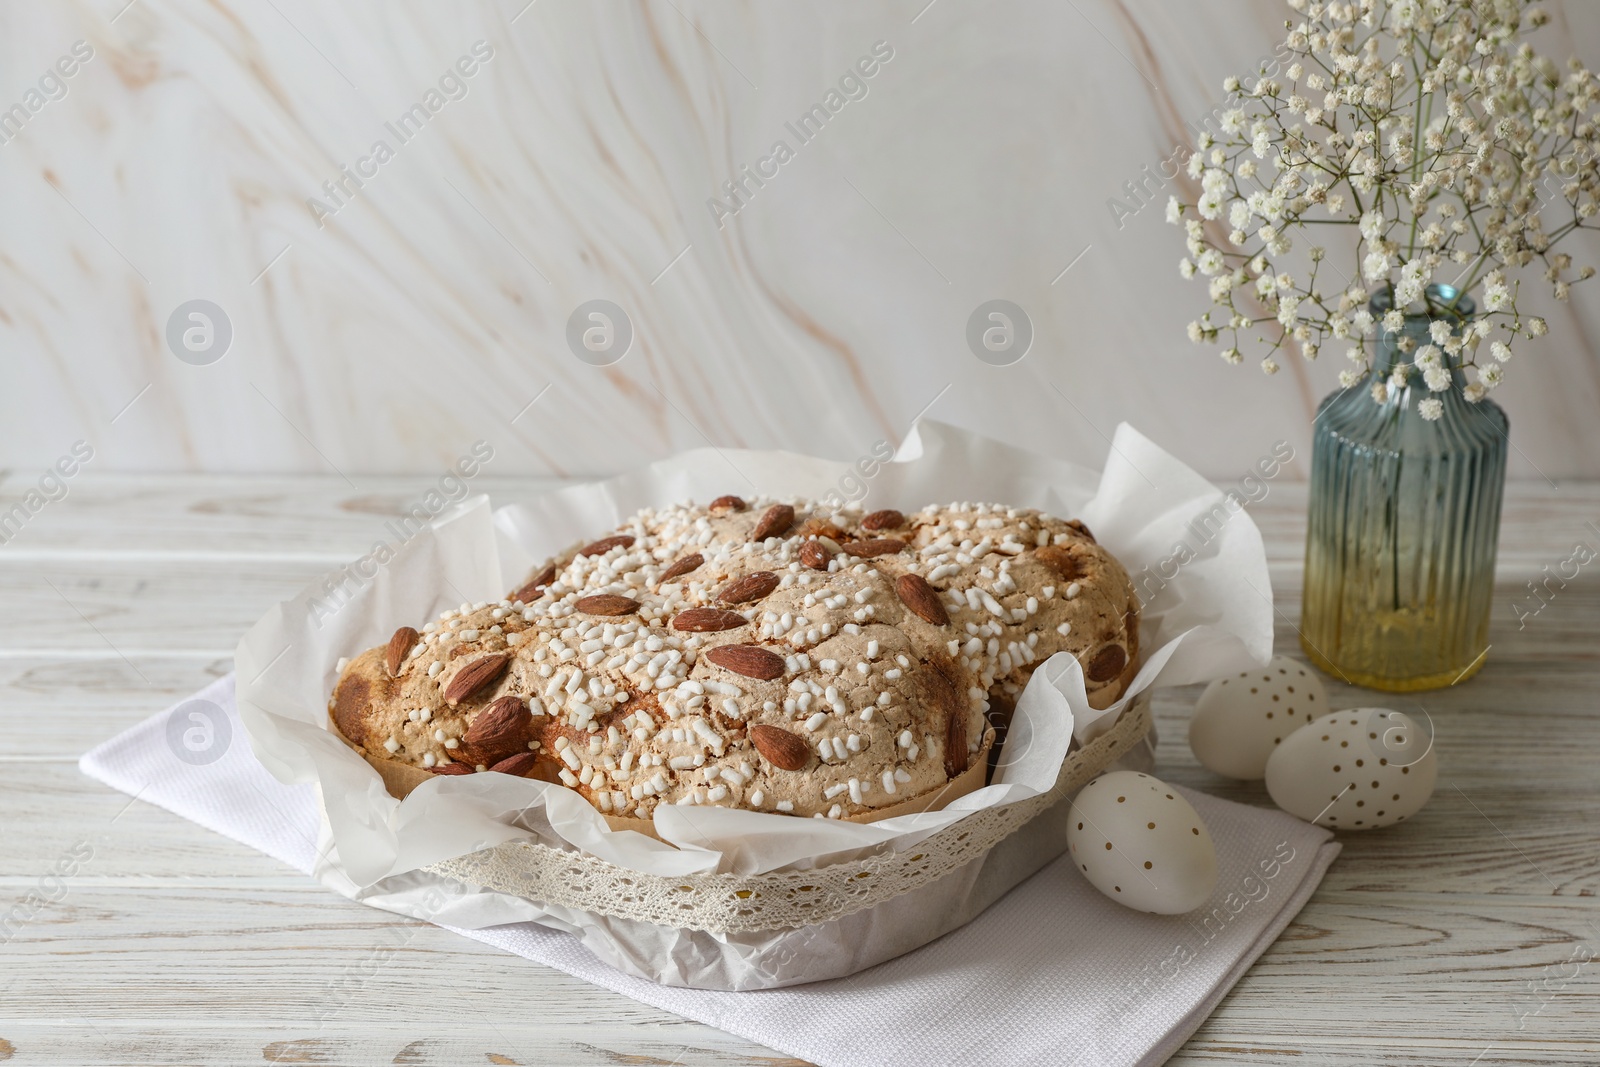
(1404, 522)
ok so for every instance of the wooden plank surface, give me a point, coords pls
(1460, 938)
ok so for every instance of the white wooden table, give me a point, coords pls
(1458, 938)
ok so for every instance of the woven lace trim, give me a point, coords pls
(732, 903)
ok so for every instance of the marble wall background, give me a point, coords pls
(432, 307)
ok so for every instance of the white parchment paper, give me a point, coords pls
(1212, 617)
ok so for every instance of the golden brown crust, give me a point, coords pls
(864, 698)
(359, 690)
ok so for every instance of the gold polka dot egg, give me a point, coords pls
(1240, 720)
(1141, 843)
(1354, 770)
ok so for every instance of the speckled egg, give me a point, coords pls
(1354, 770)
(1141, 844)
(1240, 720)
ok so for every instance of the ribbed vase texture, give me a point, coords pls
(1403, 527)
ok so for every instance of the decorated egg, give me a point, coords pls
(1354, 770)
(1141, 844)
(1240, 720)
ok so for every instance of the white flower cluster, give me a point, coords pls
(1442, 137)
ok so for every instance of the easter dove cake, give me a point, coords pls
(772, 655)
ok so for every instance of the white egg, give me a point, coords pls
(1140, 843)
(1240, 720)
(1354, 770)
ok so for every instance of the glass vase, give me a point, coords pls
(1404, 521)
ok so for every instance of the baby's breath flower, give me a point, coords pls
(1430, 409)
(1287, 306)
(1413, 282)
(1452, 164)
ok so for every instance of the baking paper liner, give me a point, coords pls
(1212, 617)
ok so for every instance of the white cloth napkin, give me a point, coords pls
(1052, 975)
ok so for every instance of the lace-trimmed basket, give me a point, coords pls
(744, 905)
